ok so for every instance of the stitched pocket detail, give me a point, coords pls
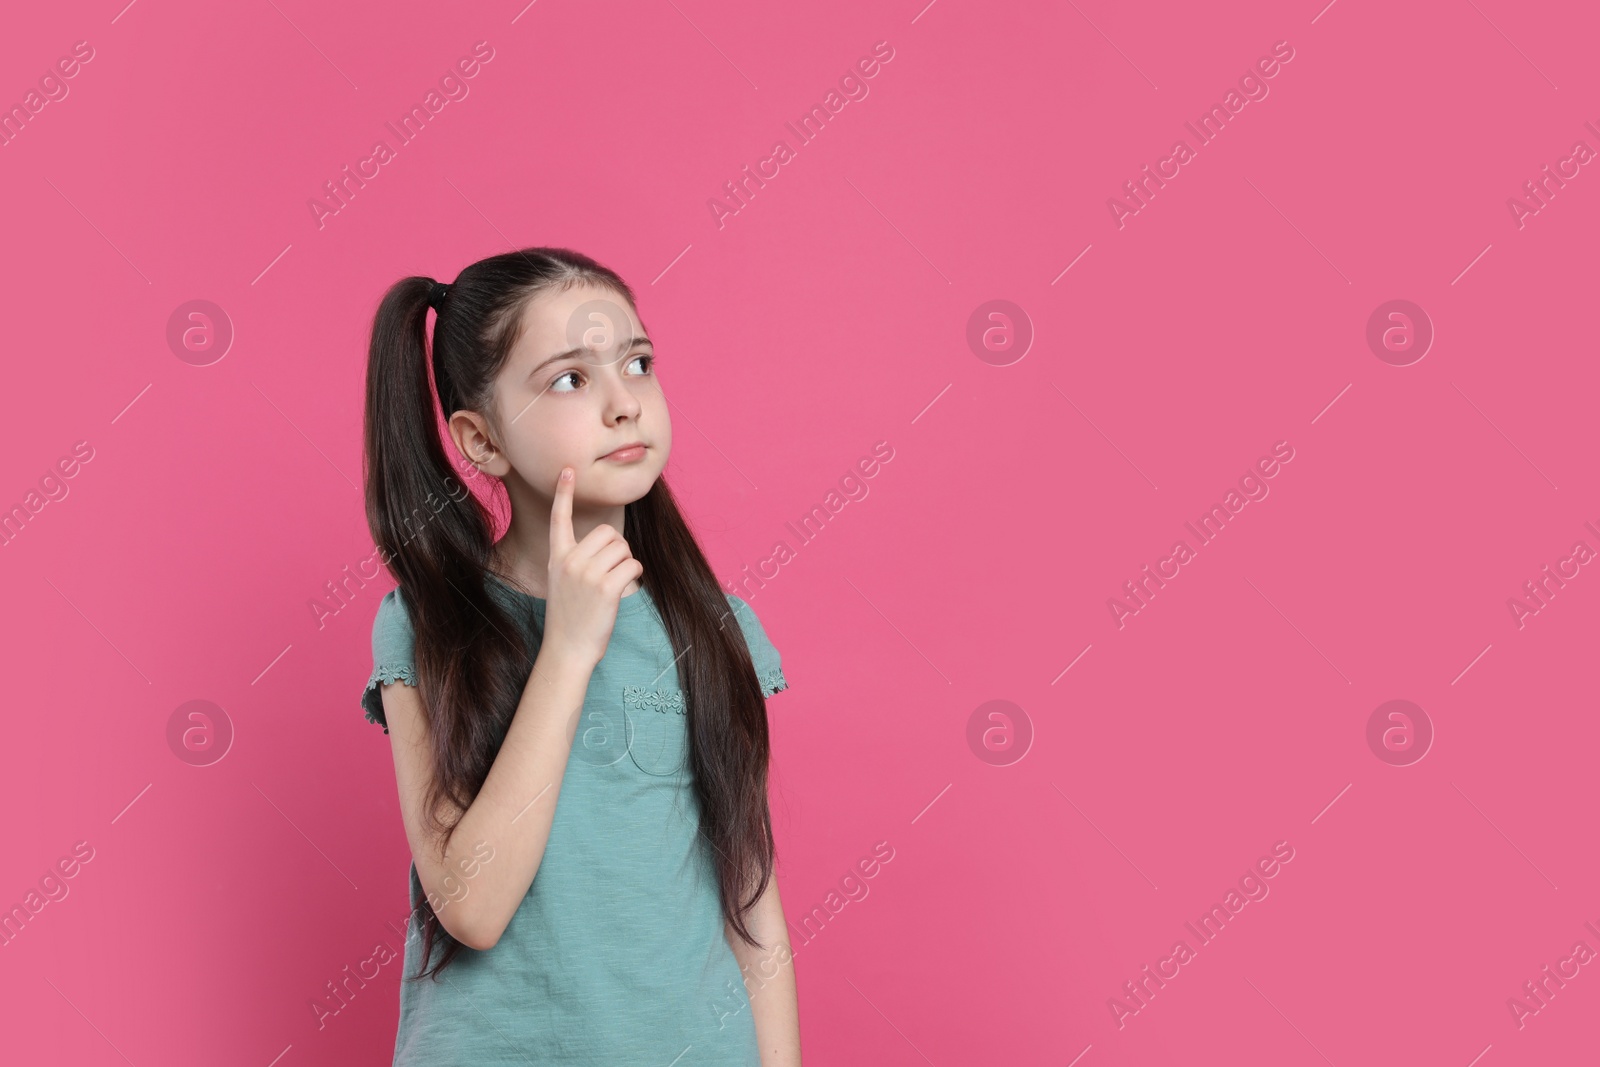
(660, 737)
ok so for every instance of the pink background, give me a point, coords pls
(829, 314)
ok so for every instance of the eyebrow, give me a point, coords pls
(574, 353)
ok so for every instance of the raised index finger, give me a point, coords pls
(561, 538)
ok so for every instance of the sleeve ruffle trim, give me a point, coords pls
(372, 696)
(773, 681)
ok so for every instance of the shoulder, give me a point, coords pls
(749, 622)
(391, 628)
(765, 656)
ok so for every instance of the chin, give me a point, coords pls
(625, 485)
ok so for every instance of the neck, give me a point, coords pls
(523, 555)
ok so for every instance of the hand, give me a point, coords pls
(586, 580)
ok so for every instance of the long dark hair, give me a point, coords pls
(472, 660)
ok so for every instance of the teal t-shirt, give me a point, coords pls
(616, 956)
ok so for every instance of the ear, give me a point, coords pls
(470, 432)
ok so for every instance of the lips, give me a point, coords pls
(624, 449)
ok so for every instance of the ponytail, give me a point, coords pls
(435, 537)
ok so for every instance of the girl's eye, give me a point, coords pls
(555, 383)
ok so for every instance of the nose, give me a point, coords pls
(620, 403)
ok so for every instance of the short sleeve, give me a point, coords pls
(768, 664)
(391, 655)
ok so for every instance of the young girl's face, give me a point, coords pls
(579, 385)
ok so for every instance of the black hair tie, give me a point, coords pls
(437, 291)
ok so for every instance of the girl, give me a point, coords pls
(580, 737)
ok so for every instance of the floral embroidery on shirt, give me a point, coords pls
(643, 699)
(371, 699)
(773, 681)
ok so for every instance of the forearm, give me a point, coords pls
(514, 809)
(769, 980)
